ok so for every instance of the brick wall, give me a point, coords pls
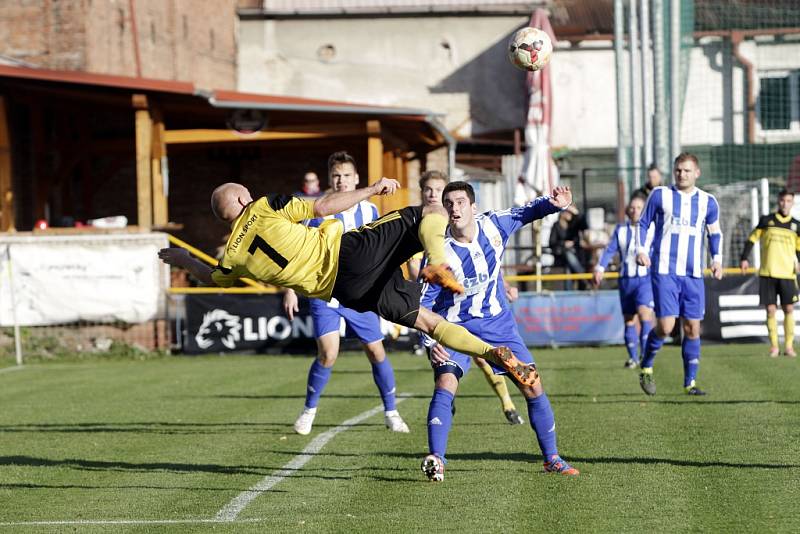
(187, 40)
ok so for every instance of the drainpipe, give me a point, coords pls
(736, 39)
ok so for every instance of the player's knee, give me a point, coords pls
(327, 359)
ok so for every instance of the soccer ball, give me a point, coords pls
(530, 49)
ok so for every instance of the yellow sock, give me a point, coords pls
(772, 329)
(457, 338)
(788, 330)
(431, 234)
(498, 384)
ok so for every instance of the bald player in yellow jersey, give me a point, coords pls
(779, 235)
(360, 268)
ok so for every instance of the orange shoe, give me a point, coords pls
(557, 465)
(441, 275)
(525, 373)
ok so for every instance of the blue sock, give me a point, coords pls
(651, 348)
(440, 419)
(631, 341)
(690, 351)
(544, 424)
(383, 374)
(645, 331)
(318, 377)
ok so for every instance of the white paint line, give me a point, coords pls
(235, 507)
(9, 369)
(124, 522)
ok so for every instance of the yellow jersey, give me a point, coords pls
(267, 243)
(780, 244)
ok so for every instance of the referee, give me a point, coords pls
(779, 235)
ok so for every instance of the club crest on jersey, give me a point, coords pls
(496, 242)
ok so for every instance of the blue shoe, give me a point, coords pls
(557, 465)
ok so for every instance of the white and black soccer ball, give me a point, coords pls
(530, 49)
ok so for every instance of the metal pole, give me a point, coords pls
(12, 294)
(633, 42)
(763, 183)
(647, 108)
(674, 77)
(623, 135)
(754, 216)
(660, 95)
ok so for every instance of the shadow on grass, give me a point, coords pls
(21, 486)
(151, 428)
(99, 465)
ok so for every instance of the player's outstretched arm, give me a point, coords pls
(561, 197)
(178, 257)
(334, 203)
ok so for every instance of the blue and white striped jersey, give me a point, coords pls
(477, 264)
(681, 220)
(362, 213)
(625, 240)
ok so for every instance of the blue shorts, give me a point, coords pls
(679, 296)
(498, 330)
(634, 292)
(366, 326)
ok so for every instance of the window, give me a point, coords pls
(779, 101)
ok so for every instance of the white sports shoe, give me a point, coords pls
(304, 422)
(394, 422)
(433, 467)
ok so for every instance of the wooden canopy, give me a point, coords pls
(56, 125)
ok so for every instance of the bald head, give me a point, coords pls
(228, 200)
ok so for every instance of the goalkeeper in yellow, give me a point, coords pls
(779, 236)
(360, 268)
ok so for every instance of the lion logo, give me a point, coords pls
(219, 325)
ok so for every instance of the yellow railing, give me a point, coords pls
(254, 287)
(588, 276)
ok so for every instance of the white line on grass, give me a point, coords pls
(235, 507)
(7, 369)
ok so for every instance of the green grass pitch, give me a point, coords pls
(164, 445)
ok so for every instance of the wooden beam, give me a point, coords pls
(174, 137)
(159, 171)
(375, 160)
(6, 180)
(144, 142)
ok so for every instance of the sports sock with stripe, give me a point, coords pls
(458, 338)
(788, 330)
(499, 386)
(646, 327)
(318, 376)
(383, 373)
(690, 351)
(654, 343)
(431, 233)
(631, 341)
(544, 424)
(772, 330)
(440, 419)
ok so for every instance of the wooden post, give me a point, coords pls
(144, 142)
(158, 170)
(375, 160)
(6, 182)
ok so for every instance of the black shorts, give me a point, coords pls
(769, 288)
(369, 276)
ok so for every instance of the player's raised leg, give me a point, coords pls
(431, 233)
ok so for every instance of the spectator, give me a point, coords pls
(310, 188)
(565, 238)
(653, 180)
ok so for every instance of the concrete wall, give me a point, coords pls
(187, 40)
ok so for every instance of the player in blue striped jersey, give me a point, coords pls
(635, 289)
(682, 215)
(474, 245)
(328, 316)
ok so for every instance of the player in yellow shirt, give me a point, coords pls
(431, 185)
(779, 235)
(360, 268)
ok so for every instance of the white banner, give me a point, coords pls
(47, 280)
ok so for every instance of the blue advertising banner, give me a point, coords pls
(570, 318)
